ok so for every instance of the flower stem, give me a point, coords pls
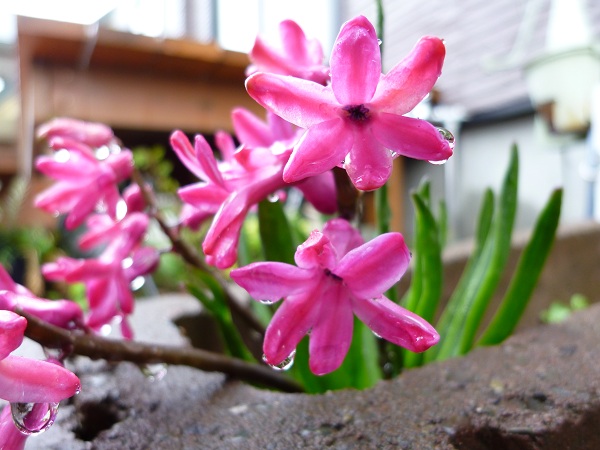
(96, 347)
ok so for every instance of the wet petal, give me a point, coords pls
(409, 81)
(331, 335)
(396, 324)
(369, 164)
(375, 266)
(298, 101)
(24, 380)
(294, 318)
(315, 252)
(355, 62)
(272, 281)
(320, 149)
(343, 236)
(410, 137)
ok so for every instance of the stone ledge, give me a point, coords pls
(539, 390)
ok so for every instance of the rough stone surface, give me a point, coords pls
(539, 390)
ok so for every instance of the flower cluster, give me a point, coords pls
(348, 115)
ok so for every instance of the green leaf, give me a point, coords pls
(428, 261)
(526, 274)
(275, 232)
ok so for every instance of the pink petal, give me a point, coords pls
(197, 159)
(206, 160)
(331, 335)
(12, 328)
(6, 282)
(294, 318)
(322, 147)
(369, 164)
(409, 81)
(295, 43)
(396, 324)
(61, 313)
(410, 137)
(343, 236)
(71, 170)
(225, 144)
(355, 62)
(24, 380)
(301, 102)
(90, 133)
(205, 197)
(145, 260)
(320, 191)
(374, 267)
(272, 281)
(315, 252)
(10, 437)
(250, 130)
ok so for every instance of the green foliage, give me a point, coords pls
(152, 162)
(559, 311)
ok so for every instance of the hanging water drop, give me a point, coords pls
(448, 137)
(273, 198)
(379, 42)
(378, 336)
(154, 372)
(266, 302)
(439, 162)
(103, 152)
(286, 364)
(33, 418)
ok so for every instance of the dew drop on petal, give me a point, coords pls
(286, 364)
(448, 136)
(103, 152)
(33, 418)
(137, 283)
(62, 155)
(439, 162)
(273, 198)
(266, 302)
(154, 372)
(376, 335)
(379, 42)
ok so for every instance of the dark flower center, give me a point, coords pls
(357, 113)
(329, 273)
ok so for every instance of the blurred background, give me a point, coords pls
(517, 71)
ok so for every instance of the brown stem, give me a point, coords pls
(189, 254)
(347, 195)
(95, 347)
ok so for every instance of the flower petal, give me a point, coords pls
(12, 328)
(374, 267)
(315, 252)
(343, 236)
(355, 62)
(320, 191)
(301, 102)
(331, 335)
(250, 130)
(409, 81)
(369, 164)
(24, 380)
(294, 318)
(320, 149)
(396, 324)
(272, 280)
(410, 137)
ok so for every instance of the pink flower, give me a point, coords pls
(24, 380)
(14, 297)
(84, 182)
(229, 188)
(357, 121)
(88, 133)
(108, 278)
(336, 275)
(299, 57)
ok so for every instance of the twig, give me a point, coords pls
(192, 257)
(95, 347)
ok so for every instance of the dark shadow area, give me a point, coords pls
(97, 417)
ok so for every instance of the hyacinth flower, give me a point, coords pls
(91, 134)
(298, 56)
(229, 188)
(357, 121)
(28, 381)
(108, 278)
(84, 182)
(15, 297)
(336, 276)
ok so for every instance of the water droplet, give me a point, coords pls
(448, 136)
(62, 155)
(127, 263)
(379, 42)
(154, 372)
(102, 152)
(378, 336)
(33, 418)
(266, 302)
(137, 283)
(273, 198)
(286, 364)
(439, 162)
